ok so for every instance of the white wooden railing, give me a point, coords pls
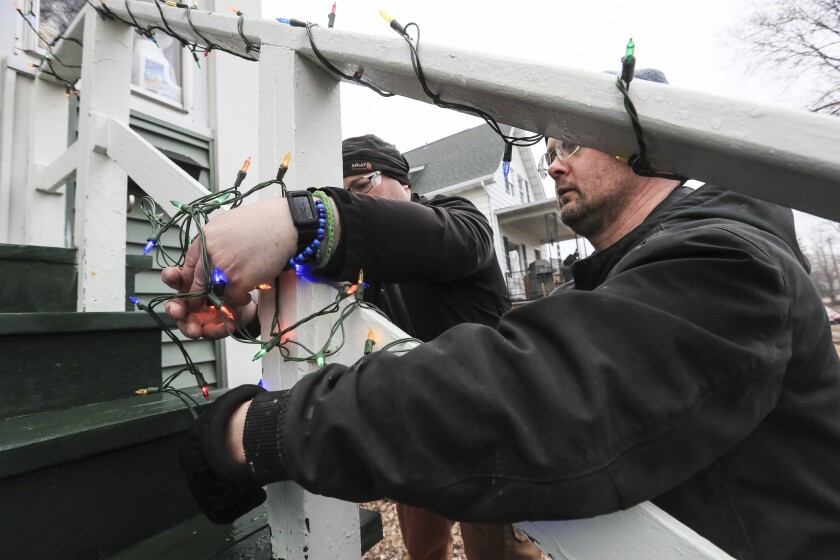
(783, 156)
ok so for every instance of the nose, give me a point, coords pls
(558, 168)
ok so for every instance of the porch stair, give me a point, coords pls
(88, 469)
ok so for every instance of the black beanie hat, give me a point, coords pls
(364, 154)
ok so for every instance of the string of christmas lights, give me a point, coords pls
(638, 162)
(192, 217)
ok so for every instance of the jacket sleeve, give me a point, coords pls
(579, 404)
(437, 240)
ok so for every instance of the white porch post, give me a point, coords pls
(234, 115)
(300, 113)
(100, 219)
(44, 212)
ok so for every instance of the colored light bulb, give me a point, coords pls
(219, 276)
(508, 155)
(150, 244)
(631, 49)
(284, 20)
(205, 392)
(134, 300)
(369, 342)
(227, 312)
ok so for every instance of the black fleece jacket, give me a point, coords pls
(690, 364)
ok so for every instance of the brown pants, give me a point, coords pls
(428, 536)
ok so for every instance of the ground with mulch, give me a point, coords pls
(391, 546)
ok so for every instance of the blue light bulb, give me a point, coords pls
(284, 20)
(506, 167)
(134, 300)
(150, 244)
(219, 277)
(260, 384)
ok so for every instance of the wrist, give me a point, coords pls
(262, 436)
(308, 215)
(236, 426)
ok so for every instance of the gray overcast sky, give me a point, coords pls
(686, 40)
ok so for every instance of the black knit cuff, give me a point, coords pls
(263, 437)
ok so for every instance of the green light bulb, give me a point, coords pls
(631, 48)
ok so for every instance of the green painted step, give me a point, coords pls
(247, 537)
(34, 278)
(91, 480)
(59, 360)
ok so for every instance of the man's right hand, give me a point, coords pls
(205, 323)
(251, 245)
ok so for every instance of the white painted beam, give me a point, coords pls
(43, 216)
(155, 173)
(644, 531)
(787, 157)
(52, 176)
(100, 203)
(7, 106)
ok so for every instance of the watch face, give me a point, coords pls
(302, 208)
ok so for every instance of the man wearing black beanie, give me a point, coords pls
(424, 308)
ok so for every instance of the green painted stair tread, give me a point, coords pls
(247, 537)
(41, 440)
(72, 321)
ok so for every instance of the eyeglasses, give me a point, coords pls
(562, 150)
(365, 183)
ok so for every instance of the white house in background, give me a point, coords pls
(525, 222)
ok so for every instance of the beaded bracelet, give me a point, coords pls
(313, 251)
(327, 244)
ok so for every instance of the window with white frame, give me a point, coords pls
(157, 68)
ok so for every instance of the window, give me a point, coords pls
(156, 69)
(512, 256)
(537, 254)
(523, 191)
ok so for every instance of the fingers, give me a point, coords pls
(173, 277)
(193, 275)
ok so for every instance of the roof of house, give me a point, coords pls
(467, 155)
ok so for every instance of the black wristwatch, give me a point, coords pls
(304, 216)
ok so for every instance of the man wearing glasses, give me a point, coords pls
(690, 363)
(436, 297)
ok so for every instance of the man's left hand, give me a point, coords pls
(220, 483)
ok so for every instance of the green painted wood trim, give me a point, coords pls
(370, 525)
(97, 505)
(30, 323)
(139, 262)
(53, 371)
(37, 253)
(163, 128)
(247, 537)
(42, 440)
(197, 537)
